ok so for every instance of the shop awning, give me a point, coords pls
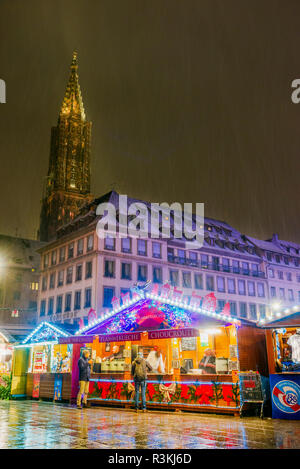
(286, 321)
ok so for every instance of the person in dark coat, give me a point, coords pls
(139, 370)
(84, 365)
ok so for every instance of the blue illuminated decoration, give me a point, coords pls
(45, 332)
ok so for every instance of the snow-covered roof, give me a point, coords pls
(266, 245)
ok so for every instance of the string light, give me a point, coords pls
(127, 321)
(279, 313)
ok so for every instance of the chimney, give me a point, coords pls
(275, 238)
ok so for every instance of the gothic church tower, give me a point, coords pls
(68, 180)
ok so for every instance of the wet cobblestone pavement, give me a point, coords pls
(33, 424)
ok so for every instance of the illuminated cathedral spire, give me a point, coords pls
(68, 180)
(72, 102)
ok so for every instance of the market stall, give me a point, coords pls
(283, 348)
(193, 352)
(42, 366)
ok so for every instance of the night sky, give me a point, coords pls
(190, 102)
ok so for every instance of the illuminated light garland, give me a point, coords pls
(198, 310)
(110, 314)
(162, 299)
(50, 326)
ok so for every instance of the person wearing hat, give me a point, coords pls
(139, 372)
(208, 362)
(84, 366)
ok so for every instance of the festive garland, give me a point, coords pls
(198, 394)
(174, 318)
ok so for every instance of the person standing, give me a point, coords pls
(208, 362)
(84, 365)
(139, 372)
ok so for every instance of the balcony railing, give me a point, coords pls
(214, 267)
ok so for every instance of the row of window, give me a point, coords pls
(68, 274)
(278, 258)
(204, 261)
(126, 271)
(281, 294)
(68, 252)
(280, 275)
(67, 304)
(244, 310)
(184, 279)
(240, 309)
(141, 248)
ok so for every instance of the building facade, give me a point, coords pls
(68, 180)
(81, 271)
(281, 261)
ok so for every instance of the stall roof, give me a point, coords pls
(7, 337)
(45, 332)
(148, 311)
(286, 321)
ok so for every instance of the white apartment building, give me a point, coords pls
(81, 271)
(282, 266)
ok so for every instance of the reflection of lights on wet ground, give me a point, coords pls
(29, 424)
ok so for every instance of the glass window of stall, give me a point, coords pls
(213, 352)
(117, 357)
(286, 346)
(61, 358)
(109, 357)
(50, 358)
(39, 358)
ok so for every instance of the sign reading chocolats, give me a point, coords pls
(173, 333)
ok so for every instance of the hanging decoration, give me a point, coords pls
(123, 315)
(226, 309)
(210, 303)
(115, 303)
(177, 294)
(165, 291)
(195, 300)
(92, 316)
(125, 298)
